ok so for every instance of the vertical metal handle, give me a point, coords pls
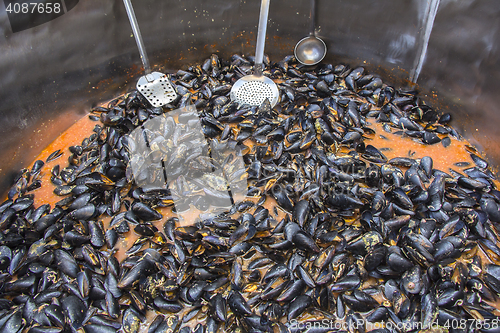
(137, 34)
(312, 17)
(261, 37)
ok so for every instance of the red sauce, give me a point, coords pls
(392, 145)
(404, 146)
(72, 136)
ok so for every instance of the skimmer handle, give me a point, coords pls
(137, 34)
(261, 37)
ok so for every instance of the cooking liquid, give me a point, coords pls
(391, 145)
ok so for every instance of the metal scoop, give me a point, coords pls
(255, 89)
(154, 86)
(310, 50)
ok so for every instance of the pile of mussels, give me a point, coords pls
(363, 239)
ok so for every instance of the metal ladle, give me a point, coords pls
(311, 49)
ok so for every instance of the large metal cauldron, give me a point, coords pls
(51, 75)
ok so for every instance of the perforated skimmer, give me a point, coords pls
(155, 86)
(255, 89)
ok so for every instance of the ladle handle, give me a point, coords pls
(261, 37)
(137, 34)
(312, 17)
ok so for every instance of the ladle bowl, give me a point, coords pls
(310, 50)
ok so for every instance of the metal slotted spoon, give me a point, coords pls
(255, 89)
(155, 86)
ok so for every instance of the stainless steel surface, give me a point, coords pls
(311, 49)
(84, 57)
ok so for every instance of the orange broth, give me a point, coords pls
(444, 158)
(392, 145)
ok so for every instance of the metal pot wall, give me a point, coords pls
(53, 73)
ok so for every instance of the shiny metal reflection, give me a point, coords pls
(310, 50)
